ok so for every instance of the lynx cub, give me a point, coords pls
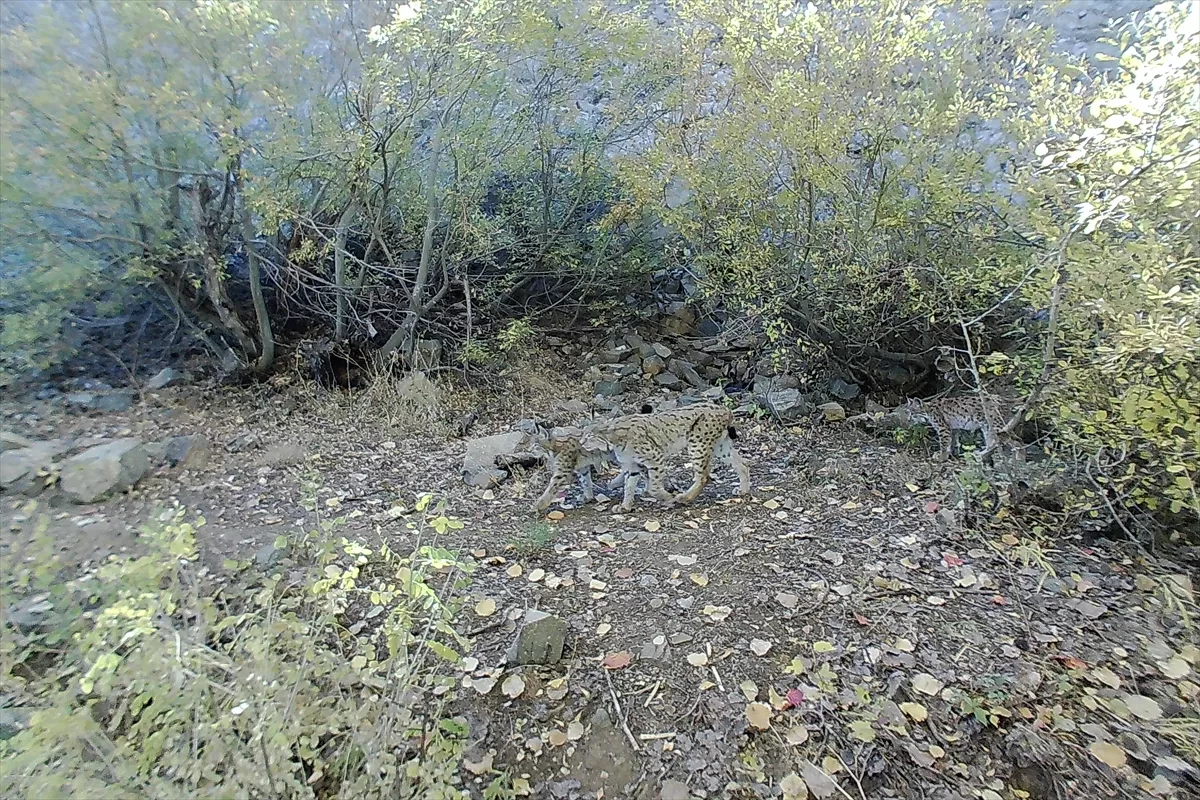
(568, 451)
(704, 430)
(965, 412)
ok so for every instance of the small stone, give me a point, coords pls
(788, 405)
(688, 372)
(12, 722)
(653, 365)
(832, 412)
(31, 616)
(487, 478)
(242, 442)
(608, 388)
(674, 790)
(668, 380)
(103, 470)
(268, 557)
(843, 390)
(662, 350)
(540, 639)
(163, 378)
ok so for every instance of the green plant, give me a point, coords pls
(152, 681)
(533, 538)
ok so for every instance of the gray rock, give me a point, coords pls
(242, 442)
(487, 478)
(653, 365)
(32, 615)
(701, 359)
(19, 468)
(832, 412)
(631, 369)
(12, 722)
(843, 390)
(688, 372)
(14, 441)
(540, 639)
(479, 462)
(104, 469)
(663, 351)
(574, 406)
(163, 378)
(614, 355)
(118, 400)
(669, 380)
(765, 384)
(608, 388)
(639, 345)
(187, 451)
(155, 452)
(268, 556)
(788, 404)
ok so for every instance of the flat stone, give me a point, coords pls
(669, 380)
(653, 365)
(832, 412)
(540, 639)
(788, 404)
(662, 350)
(688, 372)
(608, 388)
(103, 470)
(843, 390)
(487, 478)
(481, 453)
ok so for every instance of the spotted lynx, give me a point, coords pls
(565, 454)
(704, 430)
(569, 451)
(964, 412)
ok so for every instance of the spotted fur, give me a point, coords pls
(966, 412)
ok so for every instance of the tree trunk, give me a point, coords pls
(266, 339)
(405, 335)
(339, 270)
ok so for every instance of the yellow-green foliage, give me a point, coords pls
(1128, 393)
(320, 679)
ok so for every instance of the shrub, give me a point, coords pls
(320, 679)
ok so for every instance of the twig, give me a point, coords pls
(620, 715)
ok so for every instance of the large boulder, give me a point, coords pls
(19, 466)
(103, 470)
(479, 462)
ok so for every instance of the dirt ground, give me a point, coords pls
(838, 633)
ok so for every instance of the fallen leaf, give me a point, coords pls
(716, 613)
(483, 765)
(749, 689)
(556, 689)
(697, 659)
(931, 507)
(514, 571)
(794, 697)
(1109, 753)
(618, 660)
(536, 575)
(555, 515)
(919, 757)
(925, 683)
(1143, 707)
(904, 645)
(912, 487)
(699, 579)
(915, 711)
(934, 600)
(1106, 676)
(1175, 668)
(534, 745)
(603, 628)
(683, 561)
(652, 525)
(575, 731)
(951, 560)
(760, 647)
(483, 685)
(624, 573)
(771, 505)
(861, 620)
(787, 600)
(823, 647)
(1089, 609)
(513, 686)
(936, 751)
(797, 734)
(793, 787)
(556, 738)
(759, 715)
(861, 729)
(485, 607)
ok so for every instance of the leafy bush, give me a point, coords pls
(317, 679)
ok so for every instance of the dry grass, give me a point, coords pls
(403, 405)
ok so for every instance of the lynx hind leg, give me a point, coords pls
(703, 463)
(729, 455)
(655, 485)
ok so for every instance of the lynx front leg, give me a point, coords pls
(557, 482)
(631, 482)
(655, 485)
(743, 471)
